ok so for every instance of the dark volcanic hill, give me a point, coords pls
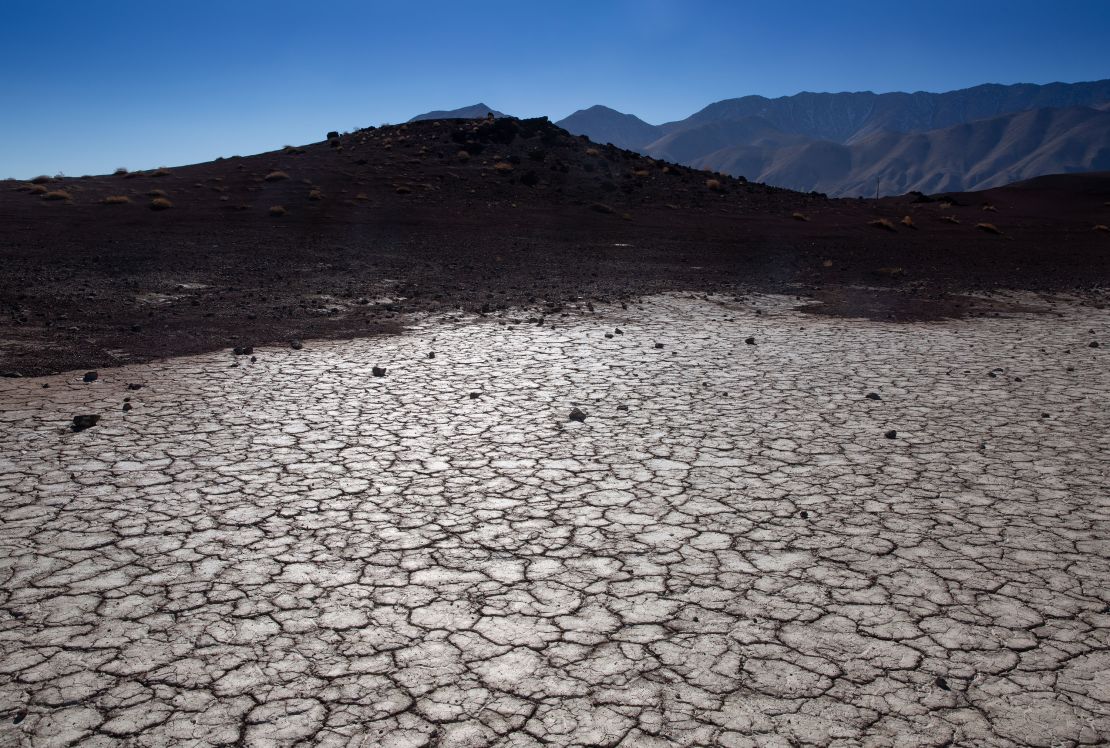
(842, 143)
(517, 218)
(474, 111)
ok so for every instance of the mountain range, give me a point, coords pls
(863, 143)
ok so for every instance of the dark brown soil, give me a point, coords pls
(393, 221)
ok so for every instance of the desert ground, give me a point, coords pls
(760, 526)
(549, 444)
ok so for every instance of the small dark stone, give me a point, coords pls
(803, 514)
(892, 434)
(134, 386)
(378, 371)
(475, 395)
(608, 334)
(943, 684)
(90, 376)
(1018, 379)
(1093, 344)
(136, 328)
(618, 331)
(874, 396)
(11, 375)
(431, 354)
(658, 345)
(1044, 415)
(332, 134)
(253, 359)
(243, 350)
(749, 341)
(296, 344)
(45, 386)
(80, 423)
(126, 407)
(577, 415)
(1071, 368)
(622, 407)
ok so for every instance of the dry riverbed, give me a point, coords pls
(730, 544)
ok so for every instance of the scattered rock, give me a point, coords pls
(749, 341)
(378, 371)
(90, 376)
(296, 344)
(475, 395)
(874, 396)
(658, 345)
(892, 434)
(11, 375)
(618, 331)
(803, 514)
(134, 386)
(579, 415)
(622, 407)
(136, 328)
(1093, 344)
(431, 354)
(126, 407)
(608, 334)
(80, 423)
(244, 350)
(942, 684)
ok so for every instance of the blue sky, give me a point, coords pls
(86, 87)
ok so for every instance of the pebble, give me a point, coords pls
(577, 415)
(892, 434)
(378, 371)
(82, 422)
(90, 376)
(749, 341)
(874, 396)
(296, 344)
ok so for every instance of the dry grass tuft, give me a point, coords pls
(160, 172)
(277, 210)
(463, 156)
(56, 195)
(1102, 227)
(121, 171)
(116, 200)
(800, 217)
(276, 176)
(950, 219)
(641, 173)
(882, 223)
(156, 193)
(362, 196)
(990, 228)
(593, 152)
(891, 271)
(36, 189)
(160, 203)
(713, 184)
(989, 208)
(402, 189)
(907, 221)
(601, 208)
(41, 179)
(503, 166)
(315, 195)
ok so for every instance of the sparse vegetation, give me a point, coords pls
(41, 179)
(950, 219)
(641, 173)
(362, 196)
(463, 155)
(156, 193)
(116, 200)
(402, 189)
(277, 210)
(907, 221)
(593, 152)
(503, 166)
(160, 172)
(121, 171)
(800, 217)
(601, 208)
(160, 203)
(56, 195)
(713, 184)
(36, 189)
(989, 208)
(1102, 227)
(315, 195)
(882, 223)
(276, 176)
(990, 228)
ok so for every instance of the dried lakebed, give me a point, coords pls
(730, 549)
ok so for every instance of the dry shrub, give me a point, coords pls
(276, 176)
(989, 208)
(950, 219)
(990, 228)
(907, 221)
(156, 193)
(463, 156)
(116, 200)
(37, 189)
(891, 271)
(121, 171)
(277, 210)
(1103, 227)
(593, 152)
(882, 223)
(800, 217)
(41, 179)
(713, 184)
(601, 208)
(315, 195)
(160, 203)
(641, 173)
(160, 172)
(402, 189)
(56, 195)
(362, 196)
(503, 166)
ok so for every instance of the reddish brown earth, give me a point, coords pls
(384, 223)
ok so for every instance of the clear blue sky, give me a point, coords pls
(88, 86)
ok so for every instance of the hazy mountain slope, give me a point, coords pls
(605, 125)
(474, 111)
(972, 156)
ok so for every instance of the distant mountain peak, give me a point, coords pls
(474, 111)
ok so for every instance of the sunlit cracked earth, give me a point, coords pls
(727, 551)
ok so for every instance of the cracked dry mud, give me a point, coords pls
(296, 552)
